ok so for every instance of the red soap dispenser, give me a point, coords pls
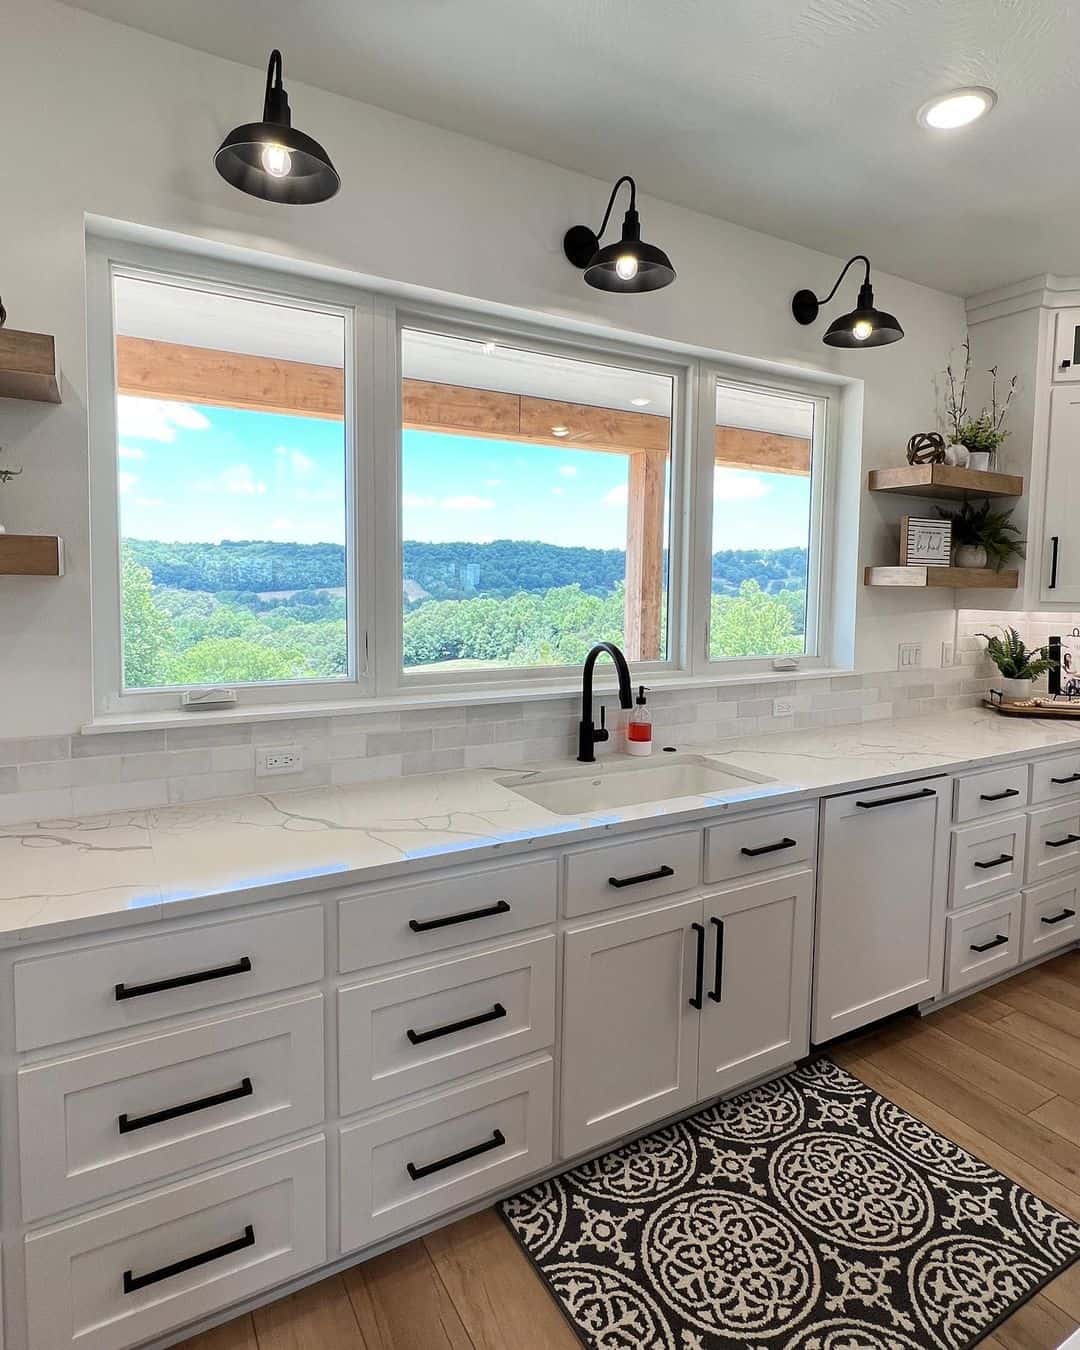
(639, 727)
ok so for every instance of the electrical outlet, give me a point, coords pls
(946, 654)
(782, 707)
(908, 654)
(287, 759)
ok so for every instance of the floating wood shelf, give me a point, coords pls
(31, 555)
(28, 366)
(942, 577)
(944, 480)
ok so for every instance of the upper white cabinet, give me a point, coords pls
(880, 910)
(1061, 557)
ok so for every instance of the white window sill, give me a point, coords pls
(162, 718)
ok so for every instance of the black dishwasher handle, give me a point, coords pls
(658, 875)
(894, 801)
(769, 848)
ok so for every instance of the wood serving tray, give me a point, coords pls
(1041, 706)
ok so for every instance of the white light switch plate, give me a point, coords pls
(908, 654)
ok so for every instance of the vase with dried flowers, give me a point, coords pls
(975, 438)
(6, 475)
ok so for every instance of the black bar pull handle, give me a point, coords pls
(426, 925)
(658, 875)
(987, 946)
(419, 1037)
(994, 862)
(1072, 778)
(136, 1282)
(999, 796)
(1060, 843)
(716, 993)
(128, 1123)
(768, 848)
(496, 1141)
(1059, 918)
(241, 967)
(893, 801)
(699, 977)
(1055, 541)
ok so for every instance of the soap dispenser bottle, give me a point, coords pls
(639, 727)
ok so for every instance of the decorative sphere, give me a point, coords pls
(926, 447)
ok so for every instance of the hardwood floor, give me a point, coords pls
(999, 1073)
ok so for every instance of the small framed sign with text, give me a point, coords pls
(924, 542)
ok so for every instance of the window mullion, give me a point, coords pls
(701, 437)
(385, 499)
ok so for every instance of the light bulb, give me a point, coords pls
(958, 109)
(862, 329)
(276, 160)
(626, 266)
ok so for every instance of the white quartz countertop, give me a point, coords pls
(64, 877)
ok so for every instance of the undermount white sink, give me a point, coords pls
(594, 787)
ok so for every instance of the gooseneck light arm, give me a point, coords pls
(611, 202)
(859, 257)
(275, 100)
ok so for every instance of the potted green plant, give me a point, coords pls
(983, 537)
(974, 439)
(1018, 665)
(6, 475)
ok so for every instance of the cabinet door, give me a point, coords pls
(1061, 545)
(880, 905)
(629, 1031)
(1067, 345)
(757, 1002)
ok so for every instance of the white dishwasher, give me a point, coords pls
(879, 941)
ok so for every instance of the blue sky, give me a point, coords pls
(203, 474)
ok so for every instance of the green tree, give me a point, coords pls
(752, 624)
(233, 660)
(148, 635)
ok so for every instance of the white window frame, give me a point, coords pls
(818, 653)
(107, 259)
(525, 337)
(373, 429)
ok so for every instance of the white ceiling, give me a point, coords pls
(795, 117)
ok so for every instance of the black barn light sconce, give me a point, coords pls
(630, 265)
(865, 326)
(271, 159)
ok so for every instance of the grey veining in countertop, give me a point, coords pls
(78, 876)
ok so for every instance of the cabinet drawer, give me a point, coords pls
(1053, 841)
(994, 927)
(1050, 917)
(138, 1112)
(419, 1030)
(757, 843)
(460, 1146)
(986, 860)
(991, 792)
(117, 1277)
(123, 984)
(1053, 779)
(643, 869)
(470, 906)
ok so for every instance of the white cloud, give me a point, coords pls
(493, 482)
(618, 496)
(126, 481)
(149, 501)
(131, 452)
(240, 480)
(737, 485)
(568, 471)
(301, 464)
(153, 419)
(558, 492)
(411, 499)
(467, 504)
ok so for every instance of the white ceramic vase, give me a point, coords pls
(1014, 689)
(979, 460)
(969, 555)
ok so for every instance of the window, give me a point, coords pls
(231, 483)
(305, 492)
(765, 507)
(536, 493)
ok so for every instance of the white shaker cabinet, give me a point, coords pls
(1061, 553)
(880, 904)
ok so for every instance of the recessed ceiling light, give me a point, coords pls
(560, 431)
(641, 402)
(958, 109)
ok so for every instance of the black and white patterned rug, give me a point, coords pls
(810, 1213)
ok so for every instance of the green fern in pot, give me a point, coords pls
(983, 537)
(1017, 664)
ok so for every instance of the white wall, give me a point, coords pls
(113, 122)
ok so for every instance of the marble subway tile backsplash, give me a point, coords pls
(54, 776)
